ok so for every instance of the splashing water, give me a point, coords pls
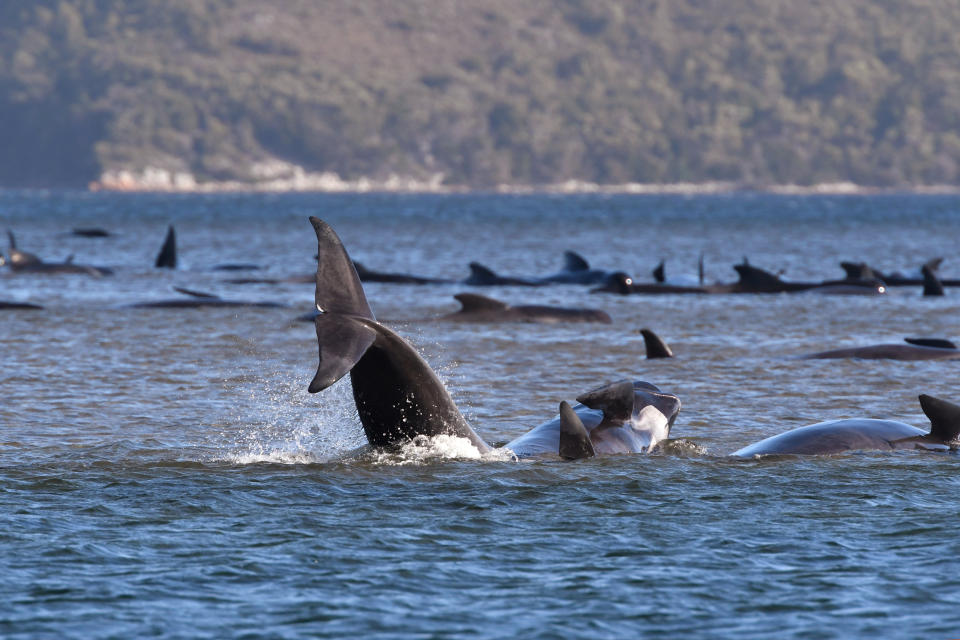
(285, 425)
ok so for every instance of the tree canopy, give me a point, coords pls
(754, 92)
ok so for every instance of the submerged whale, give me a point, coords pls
(576, 270)
(197, 299)
(9, 304)
(24, 262)
(399, 397)
(863, 434)
(477, 308)
(915, 349)
(482, 276)
(369, 275)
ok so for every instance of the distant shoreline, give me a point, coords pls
(158, 181)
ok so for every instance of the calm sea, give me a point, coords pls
(164, 473)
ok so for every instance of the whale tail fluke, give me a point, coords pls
(345, 323)
(944, 418)
(167, 258)
(575, 442)
(656, 347)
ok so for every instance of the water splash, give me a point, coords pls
(279, 422)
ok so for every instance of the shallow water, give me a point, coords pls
(164, 473)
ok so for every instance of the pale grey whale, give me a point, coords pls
(861, 434)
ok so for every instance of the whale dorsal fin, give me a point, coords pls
(858, 271)
(196, 294)
(167, 258)
(573, 261)
(475, 302)
(933, 264)
(11, 239)
(480, 274)
(345, 323)
(658, 273)
(756, 276)
(574, 440)
(944, 418)
(939, 343)
(931, 283)
(656, 347)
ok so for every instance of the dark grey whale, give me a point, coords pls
(864, 434)
(369, 275)
(477, 308)
(482, 276)
(9, 304)
(197, 300)
(915, 349)
(24, 262)
(576, 270)
(399, 397)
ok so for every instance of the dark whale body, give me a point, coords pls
(24, 262)
(7, 304)
(915, 349)
(838, 436)
(576, 270)
(477, 308)
(750, 280)
(481, 276)
(399, 397)
(197, 300)
(368, 275)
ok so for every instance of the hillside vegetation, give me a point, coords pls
(483, 92)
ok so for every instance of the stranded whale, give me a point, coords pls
(477, 308)
(24, 262)
(399, 397)
(915, 349)
(861, 434)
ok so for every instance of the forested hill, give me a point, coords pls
(482, 92)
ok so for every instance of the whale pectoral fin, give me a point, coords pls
(615, 400)
(342, 341)
(944, 418)
(573, 261)
(475, 302)
(575, 442)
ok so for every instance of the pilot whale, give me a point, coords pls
(915, 349)
(24, 262)
(477, 308)
(837, 436)
(399, 397)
